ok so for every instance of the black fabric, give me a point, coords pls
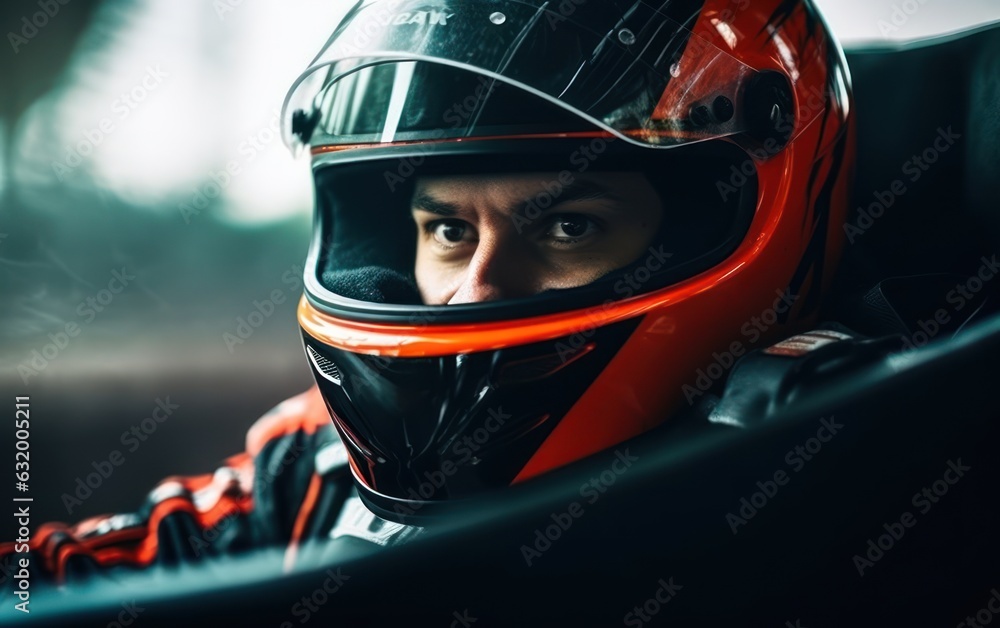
(374, 284)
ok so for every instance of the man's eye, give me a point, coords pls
(448, 232)
(571, 227)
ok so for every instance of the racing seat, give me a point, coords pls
(906, 97)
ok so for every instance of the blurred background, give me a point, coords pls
(139, 139)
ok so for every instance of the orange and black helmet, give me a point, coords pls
(737, 112)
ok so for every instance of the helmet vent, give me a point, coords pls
(324, 366)
(770, 110)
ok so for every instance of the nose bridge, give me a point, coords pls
(487, 261)
(494, 270)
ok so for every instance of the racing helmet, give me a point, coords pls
(738, 115)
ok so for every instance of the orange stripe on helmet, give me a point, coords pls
(411, 341)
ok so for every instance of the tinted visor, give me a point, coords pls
(638, 73)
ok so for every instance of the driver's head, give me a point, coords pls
(540, 234)
(476, 241)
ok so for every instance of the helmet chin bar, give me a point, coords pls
(424, 430)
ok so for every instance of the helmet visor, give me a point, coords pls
(647, 79)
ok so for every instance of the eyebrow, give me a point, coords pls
(576, 191)
(425, 202)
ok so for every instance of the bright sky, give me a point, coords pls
(865, 21)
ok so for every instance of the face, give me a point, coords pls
(491, 237)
